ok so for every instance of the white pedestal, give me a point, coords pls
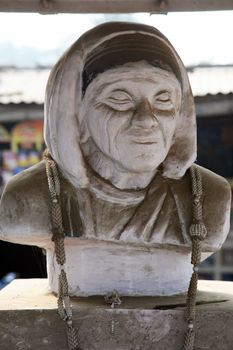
(97, 267)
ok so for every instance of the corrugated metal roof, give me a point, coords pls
(28, 85)
(23, 85)
(211, 80)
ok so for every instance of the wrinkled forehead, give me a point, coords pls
(130, 75)
(130, 46)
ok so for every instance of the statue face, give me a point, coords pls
(130, 113)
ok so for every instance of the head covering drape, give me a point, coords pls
(65, 89)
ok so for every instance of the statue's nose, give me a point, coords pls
(143, 116)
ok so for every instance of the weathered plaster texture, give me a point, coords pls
(120, 124)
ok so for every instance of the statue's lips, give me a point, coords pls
(144, 142)
(145, 137)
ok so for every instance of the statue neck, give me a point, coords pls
(112, 170)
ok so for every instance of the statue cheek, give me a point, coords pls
(167, 125)
(101, 130)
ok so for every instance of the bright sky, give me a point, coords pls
(199, 37)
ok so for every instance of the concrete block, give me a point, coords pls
(29, 320)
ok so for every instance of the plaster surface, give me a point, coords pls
(99, 263)
(141, 323)
(127, 269)
(120, 124)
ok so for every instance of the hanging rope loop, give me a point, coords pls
(58, 237)
(198, 233)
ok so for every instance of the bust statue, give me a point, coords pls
(120, 125)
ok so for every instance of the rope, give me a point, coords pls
(198, 233)
(58, 237)
(114, 300)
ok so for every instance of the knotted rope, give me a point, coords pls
(58, 236)
(198, 233)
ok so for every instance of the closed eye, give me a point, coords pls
(163, 101)
(119, 100)
(120, 96)
(163, 97)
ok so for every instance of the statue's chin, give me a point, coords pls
(143, 165)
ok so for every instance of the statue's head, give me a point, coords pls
(120, 98)
(129, 114)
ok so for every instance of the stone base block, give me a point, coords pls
(29, 320)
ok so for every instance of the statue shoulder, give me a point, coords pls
(24, 214)
(213, 182)
(216, 207)
(26, 188)
(27, 180)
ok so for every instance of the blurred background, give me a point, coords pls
(30, 44)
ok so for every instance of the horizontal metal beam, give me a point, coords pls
(113, 6)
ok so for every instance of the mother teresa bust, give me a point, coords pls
(120, 125)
